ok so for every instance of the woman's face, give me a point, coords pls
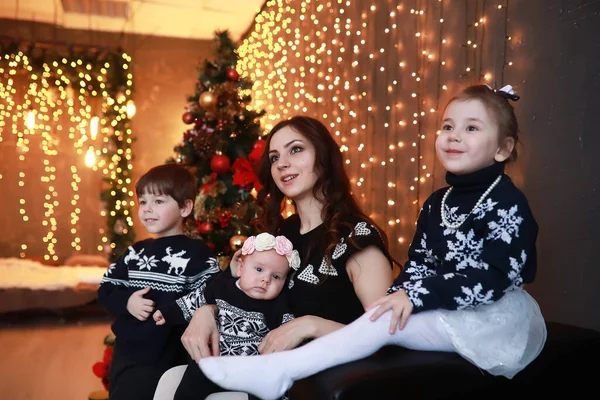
(292, 158)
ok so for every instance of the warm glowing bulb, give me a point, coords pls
(130, 109)
(90, 157)
(30, 120)
(94, 127)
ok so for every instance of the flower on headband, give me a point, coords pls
(264, 241)
(282, 246)
(248, 247)
(294, 260)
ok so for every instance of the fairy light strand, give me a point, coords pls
(352, 65)
(47, 102)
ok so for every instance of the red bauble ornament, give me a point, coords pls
(232, 74)
(188, 117)
(224, 218)
(205, 227)
(220, 164)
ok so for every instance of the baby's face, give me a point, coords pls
(262, 274)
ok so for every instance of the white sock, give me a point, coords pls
(270, 376)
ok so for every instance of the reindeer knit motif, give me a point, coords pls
(171, 267)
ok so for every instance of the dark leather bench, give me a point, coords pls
(568, 364)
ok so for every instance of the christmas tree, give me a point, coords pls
(222, 148)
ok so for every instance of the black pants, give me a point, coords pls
(196, 386)
(133, 380)
(130, 380)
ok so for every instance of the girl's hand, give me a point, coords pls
(400, 305)
(158, 318)
(201, 337)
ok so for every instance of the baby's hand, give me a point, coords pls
(158, 318)
(399, 304)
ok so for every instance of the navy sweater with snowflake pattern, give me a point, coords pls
(172, 267)
(492, 252)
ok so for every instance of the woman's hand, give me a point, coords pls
(201, 337)
(291, 334)
(233, 264)
(400, 305)
(287, 336)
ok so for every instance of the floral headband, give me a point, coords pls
(265, 241)
(507, 92)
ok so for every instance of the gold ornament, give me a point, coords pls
(206, 100)
(237, 241)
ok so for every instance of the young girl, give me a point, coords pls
(462, 288)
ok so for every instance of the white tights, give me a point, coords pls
(271, 375)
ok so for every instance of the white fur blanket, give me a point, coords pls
(16, 273)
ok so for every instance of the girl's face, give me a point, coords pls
(262, 274)
(469, 138)
(292, 159)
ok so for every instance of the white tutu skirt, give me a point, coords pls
(501, 338)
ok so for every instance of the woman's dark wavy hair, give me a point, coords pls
(332, 186)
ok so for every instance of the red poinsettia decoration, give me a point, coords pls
(101, 368)
(257, 150)
(243, 174)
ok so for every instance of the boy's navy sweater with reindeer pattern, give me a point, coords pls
(171, 267)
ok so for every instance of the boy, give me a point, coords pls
(154, 273)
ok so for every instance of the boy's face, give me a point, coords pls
(262, 274)
(161, 215)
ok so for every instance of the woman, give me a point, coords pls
(346, 264)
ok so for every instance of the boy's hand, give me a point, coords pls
(138, 306)
(158, 318)
(400, 305)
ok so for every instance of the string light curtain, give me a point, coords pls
(65, 144)
(376, 73)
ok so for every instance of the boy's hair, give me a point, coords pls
(499, 109)
(168, 179)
